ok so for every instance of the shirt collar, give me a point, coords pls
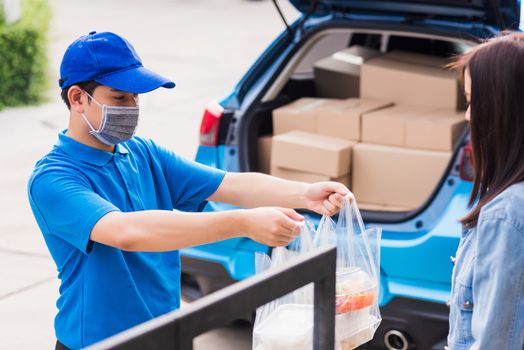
(86, 153)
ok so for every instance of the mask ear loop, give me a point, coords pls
(103, 115)
(88, 123)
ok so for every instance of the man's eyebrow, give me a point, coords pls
(116, 90)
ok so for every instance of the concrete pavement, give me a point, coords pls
(204, 46)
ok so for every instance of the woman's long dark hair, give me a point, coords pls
(496, 68)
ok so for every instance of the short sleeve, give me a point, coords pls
(189, 182)
(65, 205)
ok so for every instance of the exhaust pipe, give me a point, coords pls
(397, 340)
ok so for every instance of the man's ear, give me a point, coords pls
(76, 96)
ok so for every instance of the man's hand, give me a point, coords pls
(272, 226)
(326, 198)
(251, 190)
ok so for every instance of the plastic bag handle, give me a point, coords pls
(352, 202)
(349, 199)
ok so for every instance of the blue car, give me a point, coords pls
(417, 246)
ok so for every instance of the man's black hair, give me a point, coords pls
(88, 86)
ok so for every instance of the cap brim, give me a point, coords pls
(136, 80)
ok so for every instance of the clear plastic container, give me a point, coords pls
(289, 327)
(350, 333)
(356, 293)
(355, 290)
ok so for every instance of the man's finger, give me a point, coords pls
(281, 243)
(286, 236)
(350, 196)
(292, 214)
(336, 199)
(329, 208)
(341, 189)
(290, 225)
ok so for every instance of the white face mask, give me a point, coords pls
(118, 124)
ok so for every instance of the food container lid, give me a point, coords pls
(287, 324)
(353, 280)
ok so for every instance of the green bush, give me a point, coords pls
(23, 59)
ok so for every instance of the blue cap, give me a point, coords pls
(109, 60)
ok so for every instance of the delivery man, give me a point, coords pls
(114, 208)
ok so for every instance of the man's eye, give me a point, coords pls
(119, 98)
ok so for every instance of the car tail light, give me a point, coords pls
(210, 124)
(467, 171)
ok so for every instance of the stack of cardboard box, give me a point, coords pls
(390, 146)
(314, 138)
(405, 149)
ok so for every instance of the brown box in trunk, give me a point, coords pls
(412, 79)
(389, 126)
(312, 153)
(394, 176)
(338, 75)
(414, 127)
(343, 119)
(438, 131)
(298, 115)
(378, 207)
(296, 175)
(264, 153)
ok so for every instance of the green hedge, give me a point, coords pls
(23, 59)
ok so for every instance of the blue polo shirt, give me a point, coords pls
(105, 290)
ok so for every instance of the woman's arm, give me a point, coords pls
(498, 286)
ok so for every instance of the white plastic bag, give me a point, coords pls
(358, 275)
(287, 322)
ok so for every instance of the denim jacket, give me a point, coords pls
(487, 298)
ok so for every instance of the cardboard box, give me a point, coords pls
(389, 126)
(380, 207)
(330, 117)
(343, 118)
(438, 131)
(298, 115)
(394, 176)
(312, 153)
(301, 176)
(417, 58)
(414, 79)
(264, 153)
(338, 75)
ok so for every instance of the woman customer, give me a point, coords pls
(487, 304)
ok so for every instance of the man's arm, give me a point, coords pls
(250, 190)
(158, 230)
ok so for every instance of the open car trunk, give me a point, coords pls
(503, 14)
(377, 157)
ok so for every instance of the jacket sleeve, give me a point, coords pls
(498, 286)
